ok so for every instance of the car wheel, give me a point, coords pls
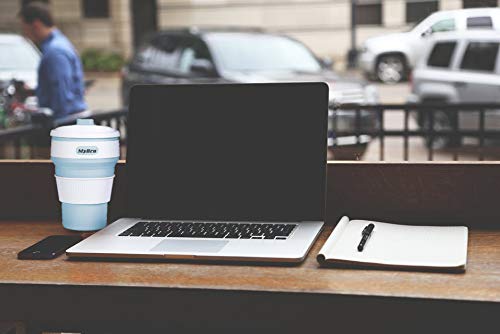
(391, 69)
(442, 122)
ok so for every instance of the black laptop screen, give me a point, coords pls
(252, 152)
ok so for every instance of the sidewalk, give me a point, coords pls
(105, 93)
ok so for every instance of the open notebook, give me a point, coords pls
(394, 245)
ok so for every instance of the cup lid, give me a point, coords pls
(85, 128)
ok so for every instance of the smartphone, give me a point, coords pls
(49, 248)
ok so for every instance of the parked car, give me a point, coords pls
(459, 68)
(390, 58)
(228, 55)
(19, 60)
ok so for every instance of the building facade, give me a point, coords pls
(102, 26)
(324, 25)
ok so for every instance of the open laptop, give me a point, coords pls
(221, 172)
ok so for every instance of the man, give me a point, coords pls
(60, 76)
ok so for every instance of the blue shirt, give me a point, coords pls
(60, 77)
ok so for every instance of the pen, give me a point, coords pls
(367, 232)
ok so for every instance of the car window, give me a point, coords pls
(441, 54)
(161, 54)
(479, 22)
(192, 53)
(261, 52)
(480, 56)
(443, 25)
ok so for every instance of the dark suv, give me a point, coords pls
(228, 55)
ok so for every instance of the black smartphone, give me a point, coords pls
(49, 248)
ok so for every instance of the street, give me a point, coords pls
(105, 95)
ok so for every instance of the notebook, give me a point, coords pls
(397, 246)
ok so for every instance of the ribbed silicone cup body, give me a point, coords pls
(84, 217)
(88, 168)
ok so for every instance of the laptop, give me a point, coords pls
(221, 172)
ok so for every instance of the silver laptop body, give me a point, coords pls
(221, 172)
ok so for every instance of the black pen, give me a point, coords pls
(367, 232)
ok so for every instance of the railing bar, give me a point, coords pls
(427, 106)
(420, 133)
(430, 115)
(455, 122)
(406, 137)
(17, 148)
(381, 133)
(481, 134)
(358, 126)
(335, 124)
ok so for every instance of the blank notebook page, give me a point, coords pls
(398, 245)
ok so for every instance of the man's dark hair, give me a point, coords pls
(37, 11)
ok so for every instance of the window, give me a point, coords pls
(369, 12)
(441, 54)
(480, 56)
(443, 25)
(162, 54)
(417, 10)
(25, 2)
(195, 53)
(479, 3)
(479, 22)
(95, 8)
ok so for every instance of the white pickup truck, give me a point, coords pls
(390, 58)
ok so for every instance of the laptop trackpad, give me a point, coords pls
(190, 246)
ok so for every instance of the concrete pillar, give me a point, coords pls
(121, 26)
(66, 10)
(394, 13)
(451, 4)
(68, 17)
(8, 16)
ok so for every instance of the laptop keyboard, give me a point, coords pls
(164, 229)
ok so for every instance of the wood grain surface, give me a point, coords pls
(481, 281)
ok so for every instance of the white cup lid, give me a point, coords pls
(85, 128)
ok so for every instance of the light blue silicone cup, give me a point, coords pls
(84, 217)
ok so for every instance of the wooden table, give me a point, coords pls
(212, 297)
(70, 294)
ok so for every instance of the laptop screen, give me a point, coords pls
(244, 152)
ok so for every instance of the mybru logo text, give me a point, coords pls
(86, 150)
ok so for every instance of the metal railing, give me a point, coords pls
(32, 141)
(427, 123)
(417, 121)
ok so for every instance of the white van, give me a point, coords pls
(390, 58)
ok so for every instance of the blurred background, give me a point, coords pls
(409, 80)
